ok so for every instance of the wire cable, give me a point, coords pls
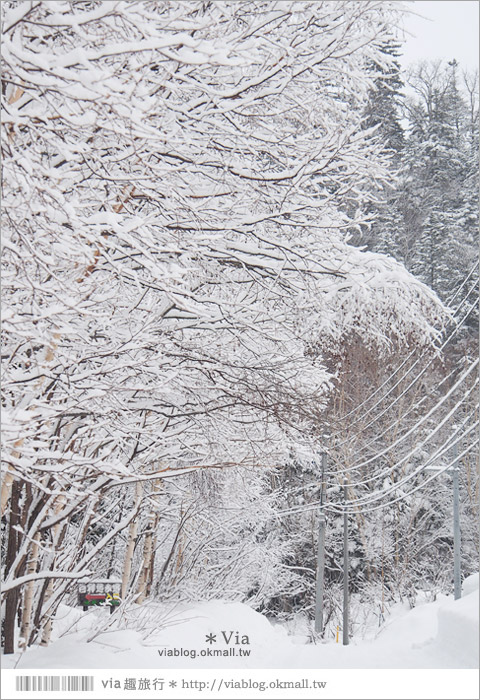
(412, 383)
(422, 420)
(417, 488)
(440, 451)
(412, 353)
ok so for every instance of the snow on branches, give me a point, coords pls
(179, 178)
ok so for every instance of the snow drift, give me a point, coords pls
(440, 634)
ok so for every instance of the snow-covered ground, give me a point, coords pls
(440, 634)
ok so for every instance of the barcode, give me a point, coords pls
(52, 683)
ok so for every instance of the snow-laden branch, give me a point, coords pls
(10, 584)
(179, 183)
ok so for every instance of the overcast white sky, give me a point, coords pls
(451, 31)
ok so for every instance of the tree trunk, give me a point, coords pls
(132, 534)
(147, 557)
(9, 478)
(6, 490)
(146, 575)
(29, 591)
(11, 598)
(47, 630)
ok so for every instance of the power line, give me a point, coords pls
(472, 271)
(412, 383)
(399, 484)
(440, 450)
(411, 409)
(436, 474)
(420, 422)
(412, 453)
(360, 510)
(412, 353)
(387, 472)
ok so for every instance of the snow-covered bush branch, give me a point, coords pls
(176, 177)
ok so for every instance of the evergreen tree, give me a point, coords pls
(429, 218)
(440, 175)
(383, 113)
(384, 108)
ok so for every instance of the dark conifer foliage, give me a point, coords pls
(428, 219)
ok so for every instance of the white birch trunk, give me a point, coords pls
(132, 533)
(47, 630)
(147, 558)
(29, 591)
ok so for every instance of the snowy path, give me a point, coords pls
(443, 634)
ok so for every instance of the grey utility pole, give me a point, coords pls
(457, 581)
(320, 589)
(345, 569)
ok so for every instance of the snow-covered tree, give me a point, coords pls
(434, 207)
(176, 258)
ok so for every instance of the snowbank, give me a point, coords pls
(457, 636)
(442, 634)
(470, 584)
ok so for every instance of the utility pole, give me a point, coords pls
(345, 568)
(457, 582)
(320, 589)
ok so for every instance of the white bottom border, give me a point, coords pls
(276, 684)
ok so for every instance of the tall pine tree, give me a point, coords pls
(429, 218)
(383, 113)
